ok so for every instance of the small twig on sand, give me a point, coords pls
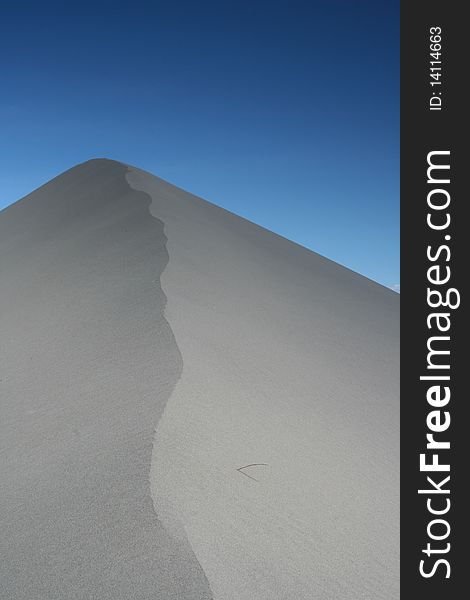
(251, 465)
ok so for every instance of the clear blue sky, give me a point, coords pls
(284, 112)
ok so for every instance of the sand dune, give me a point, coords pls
(138, 314)
(88, 363)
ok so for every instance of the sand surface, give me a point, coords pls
(288, 360)
(156, 346)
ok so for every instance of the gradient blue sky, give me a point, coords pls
(284, 112)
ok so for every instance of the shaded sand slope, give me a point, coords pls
(88, 362)
(291, 361)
